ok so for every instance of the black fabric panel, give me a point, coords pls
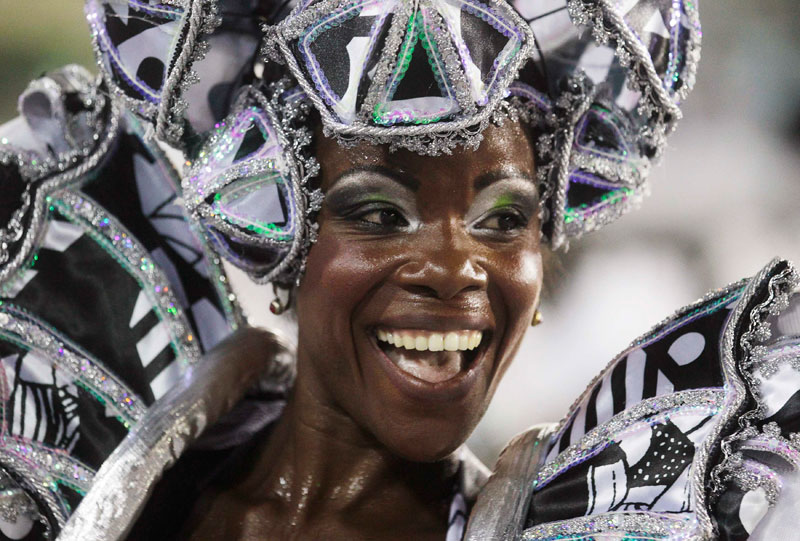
(330, 49)
(618, 393)
(726, 512)
(591, 410)
(568, 495)
(418, 81)
(705, 371)
(117, 192)
(99, 434)
(579, 193)
(487, 43)
(788, 417)
(86, 295)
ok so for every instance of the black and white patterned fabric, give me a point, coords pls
(692, 432)
(177, 64)
(609, 163)
(107, 296)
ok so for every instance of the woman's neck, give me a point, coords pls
(319, 462)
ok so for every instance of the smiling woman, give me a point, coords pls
(442, 254)
(401, 168)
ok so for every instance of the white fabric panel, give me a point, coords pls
(164, 381)
(655, 25)
(687, 348)
(456, 531)
(155, 42)
(20, 284)
(788, 323)
(779, 388)
(596, 61)
(753, 508)
(61, 235)
(663, 385)
(635, 444)
(211, 324)
(607, 487)
(634, 377)
(140, 309)
(604, 404)
(153, 343)
(21, 136)
(782, 522)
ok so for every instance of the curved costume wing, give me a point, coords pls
(107, 294)
(693, 432)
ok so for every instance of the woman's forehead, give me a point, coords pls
(506, 150)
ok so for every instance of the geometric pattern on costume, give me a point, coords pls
(668, 440)
(176, 64)
(247, 187)
(600, 81)
(441, 65)
(104, 299)
(619, 71)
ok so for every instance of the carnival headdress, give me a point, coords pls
(599, 80)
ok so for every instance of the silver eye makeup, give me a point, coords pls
(382, 201)
(505, 207)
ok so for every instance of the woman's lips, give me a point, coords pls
(431, 364)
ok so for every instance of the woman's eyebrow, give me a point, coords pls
(487, 179)
(406, 180)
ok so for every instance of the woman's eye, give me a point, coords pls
(504, 221)
(385, 217)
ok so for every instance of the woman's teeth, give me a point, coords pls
(432, 341)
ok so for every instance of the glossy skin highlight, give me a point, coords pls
(365, 450)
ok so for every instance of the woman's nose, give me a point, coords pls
(444, 266)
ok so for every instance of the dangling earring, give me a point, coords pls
(277, 306)
(537, 318)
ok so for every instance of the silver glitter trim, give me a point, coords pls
(750, 475)
(429, 139)
(620, 525)
(24, 329)
(698, 400)
(775, 283)
(57, 463)
(503, 504)
(38, 483)
(284, 117)
(772, 442)
(173, 423)
(200, 19)
(121, 244)
(708, 302)
(217, 274)
(105, 137)
(14, 502)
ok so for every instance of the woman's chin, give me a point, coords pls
(424, 439)
(415, 450)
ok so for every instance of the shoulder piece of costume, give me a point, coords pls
(693, 432)
(599, 82)
(107, 293)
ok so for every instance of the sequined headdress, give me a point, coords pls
(600, 81)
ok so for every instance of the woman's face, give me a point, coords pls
(420, 287)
